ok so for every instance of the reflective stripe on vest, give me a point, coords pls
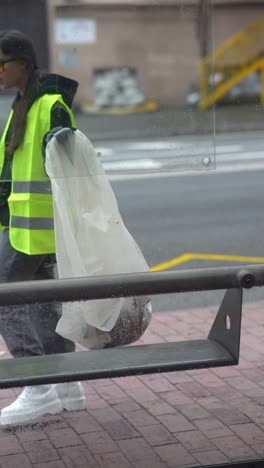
(32, 223)
(32, 187)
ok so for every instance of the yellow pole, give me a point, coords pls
(262, 86)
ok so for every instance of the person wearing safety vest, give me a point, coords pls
(27, 241)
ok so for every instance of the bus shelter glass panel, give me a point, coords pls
(134, 184)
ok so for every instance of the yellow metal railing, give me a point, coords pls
(236, 58)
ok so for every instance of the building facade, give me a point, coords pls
(160, 40)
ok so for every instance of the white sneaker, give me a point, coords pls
(71, 395)
(32, 403)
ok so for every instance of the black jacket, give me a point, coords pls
(49, 84)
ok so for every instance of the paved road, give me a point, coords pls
(212, 213)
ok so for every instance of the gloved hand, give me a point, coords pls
(61, 134)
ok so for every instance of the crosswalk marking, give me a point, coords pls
(132, 164)
(174, 156)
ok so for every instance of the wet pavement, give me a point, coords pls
(173, 420)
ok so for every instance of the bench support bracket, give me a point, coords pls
(227, 324)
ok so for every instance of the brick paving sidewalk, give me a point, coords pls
(178, 419)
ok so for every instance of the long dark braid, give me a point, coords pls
(19, 120)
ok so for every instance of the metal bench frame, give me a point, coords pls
(221, 348)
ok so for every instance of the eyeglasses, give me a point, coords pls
(3, 62)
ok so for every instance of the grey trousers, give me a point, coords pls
(29, 330)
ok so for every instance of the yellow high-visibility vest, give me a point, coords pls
(31, 226)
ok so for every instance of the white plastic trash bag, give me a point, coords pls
(91, 239)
